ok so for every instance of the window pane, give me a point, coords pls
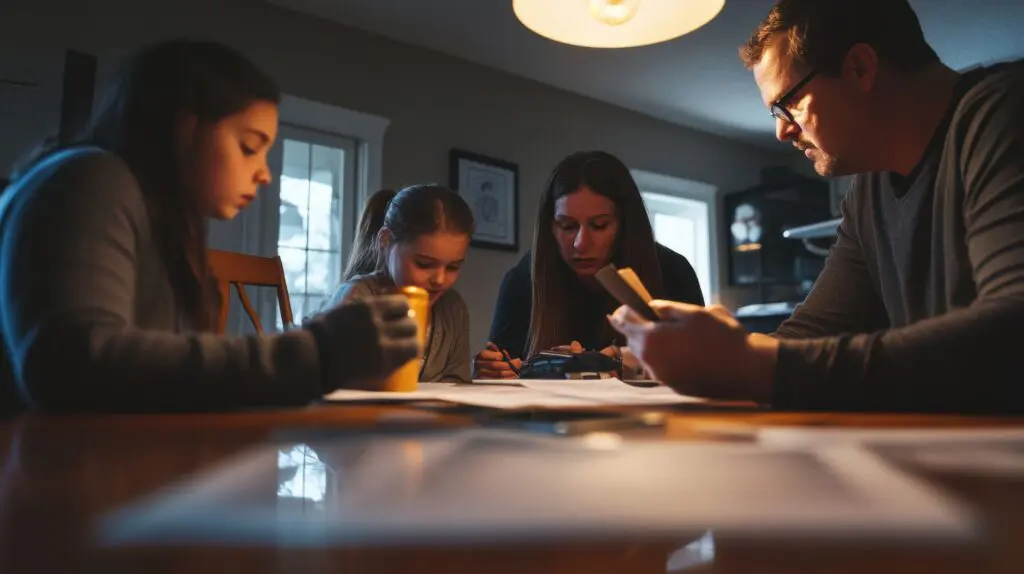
(313, 304)
(677, 233)
(324, 198)
(294, 263)
(296, 159)
(293, 229)
(322, 275)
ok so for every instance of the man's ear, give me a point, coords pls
(860, 67)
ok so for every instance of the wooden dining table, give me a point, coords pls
(60, 473)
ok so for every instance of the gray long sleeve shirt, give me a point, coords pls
(88, 316)
(920, 306)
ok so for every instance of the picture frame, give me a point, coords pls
(491, 187)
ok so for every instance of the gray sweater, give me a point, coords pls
(447, 354)
(89, 320)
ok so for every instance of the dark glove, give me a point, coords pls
(363, 342)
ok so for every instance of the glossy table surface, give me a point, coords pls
(60, 473)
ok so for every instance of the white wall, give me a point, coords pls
(435, 102)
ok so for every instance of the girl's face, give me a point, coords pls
(431, 261)
(586, 225)
(229, 158)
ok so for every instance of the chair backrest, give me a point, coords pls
(239, 269)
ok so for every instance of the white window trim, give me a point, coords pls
(367, 129)
(696, 191)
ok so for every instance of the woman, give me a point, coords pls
(591, 214)
(418, 236)
(105, 291)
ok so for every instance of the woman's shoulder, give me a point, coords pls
(359, 287)
(79, 171)
(74, 181)
(452, 304)
(519, 274)
(671, 261)
(678, 276)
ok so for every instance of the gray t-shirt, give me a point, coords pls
(447, 357)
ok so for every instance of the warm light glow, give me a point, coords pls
(614, 12)
(614, 23)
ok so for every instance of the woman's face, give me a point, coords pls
(586, 226)
(431, 261)
(230, 158)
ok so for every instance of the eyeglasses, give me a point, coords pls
(779, 110)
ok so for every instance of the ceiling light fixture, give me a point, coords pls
(614, 23)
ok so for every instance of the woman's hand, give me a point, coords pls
(572, 348)
(492, 363)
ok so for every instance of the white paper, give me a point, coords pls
(468, 486)
(993, 451)
(610, 392)
(815, 437)
(511, 397)
(528, 393)
(426, 391)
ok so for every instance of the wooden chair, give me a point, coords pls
(239, 269)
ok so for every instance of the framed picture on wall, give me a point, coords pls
(491, 187)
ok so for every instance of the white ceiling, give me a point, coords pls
(696, 80)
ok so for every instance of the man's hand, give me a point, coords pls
(701, 351)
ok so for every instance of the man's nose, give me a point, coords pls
(786, 130)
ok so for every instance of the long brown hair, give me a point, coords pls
(138, 119)
(407, 214)
(553, 279)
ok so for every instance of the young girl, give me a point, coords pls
(591, 214)
(418, 236)
(104, 283)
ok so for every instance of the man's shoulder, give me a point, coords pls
(989, 87)
(994, 78)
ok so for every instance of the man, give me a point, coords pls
(920, 306)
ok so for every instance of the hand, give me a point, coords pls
(367, 340)
(700, 351)
(573, 348)
(631, 367)
(491, 363)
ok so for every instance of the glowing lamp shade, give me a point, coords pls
(614, 23)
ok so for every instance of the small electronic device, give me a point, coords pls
(625, 286)
(585, 365)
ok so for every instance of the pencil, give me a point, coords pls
(508, 359)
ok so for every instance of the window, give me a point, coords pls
(682, 226)
(682, 215)
(316, 198)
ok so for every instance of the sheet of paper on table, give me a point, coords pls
(488, 486)
(516, 394)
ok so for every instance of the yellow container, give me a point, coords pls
(407, 377)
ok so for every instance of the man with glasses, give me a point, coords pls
(920, 306)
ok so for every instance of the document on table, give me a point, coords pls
(487, 486)
(516, 394)
(610, 391)
(426, 391)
